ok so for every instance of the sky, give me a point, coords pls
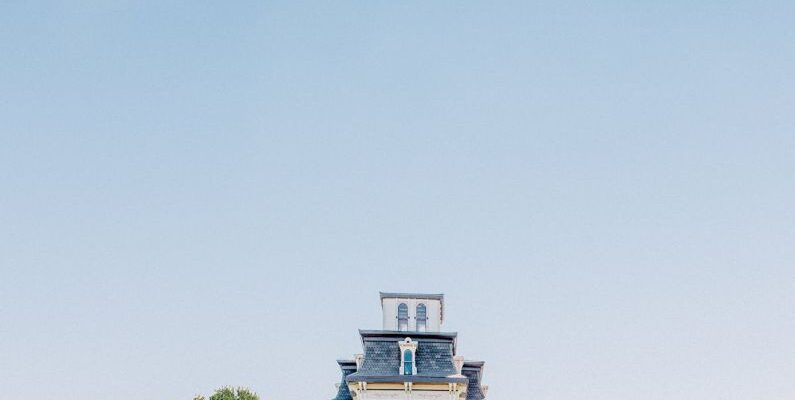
(199, 194)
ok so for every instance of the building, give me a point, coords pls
(410, 358)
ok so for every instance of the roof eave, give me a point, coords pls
(405, 378)
(398, 295)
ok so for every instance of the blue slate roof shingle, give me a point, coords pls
(473, 370)
(434, 357)
(347, 367)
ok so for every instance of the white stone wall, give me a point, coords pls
(433, 309)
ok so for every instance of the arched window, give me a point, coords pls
(408, 355)
(422, 318)
(408, 363)
(403, 317)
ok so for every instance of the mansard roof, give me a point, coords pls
(434, 357)
(473, 370)
(347, 367)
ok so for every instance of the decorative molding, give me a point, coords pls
(458, 361)
(359, 360)
(408, 344)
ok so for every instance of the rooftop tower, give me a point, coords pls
(410, 358)
(412, 312)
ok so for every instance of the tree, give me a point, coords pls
(230, 393)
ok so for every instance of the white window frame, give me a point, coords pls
(408, 345)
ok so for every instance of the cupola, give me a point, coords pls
(412, 312)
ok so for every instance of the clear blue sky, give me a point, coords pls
(195, 195)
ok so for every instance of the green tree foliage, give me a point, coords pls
(230, 393)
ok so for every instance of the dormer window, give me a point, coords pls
(403, 317)
(422, 317)
(408, 350)
(408, 362)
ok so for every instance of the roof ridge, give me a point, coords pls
(400, 295)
